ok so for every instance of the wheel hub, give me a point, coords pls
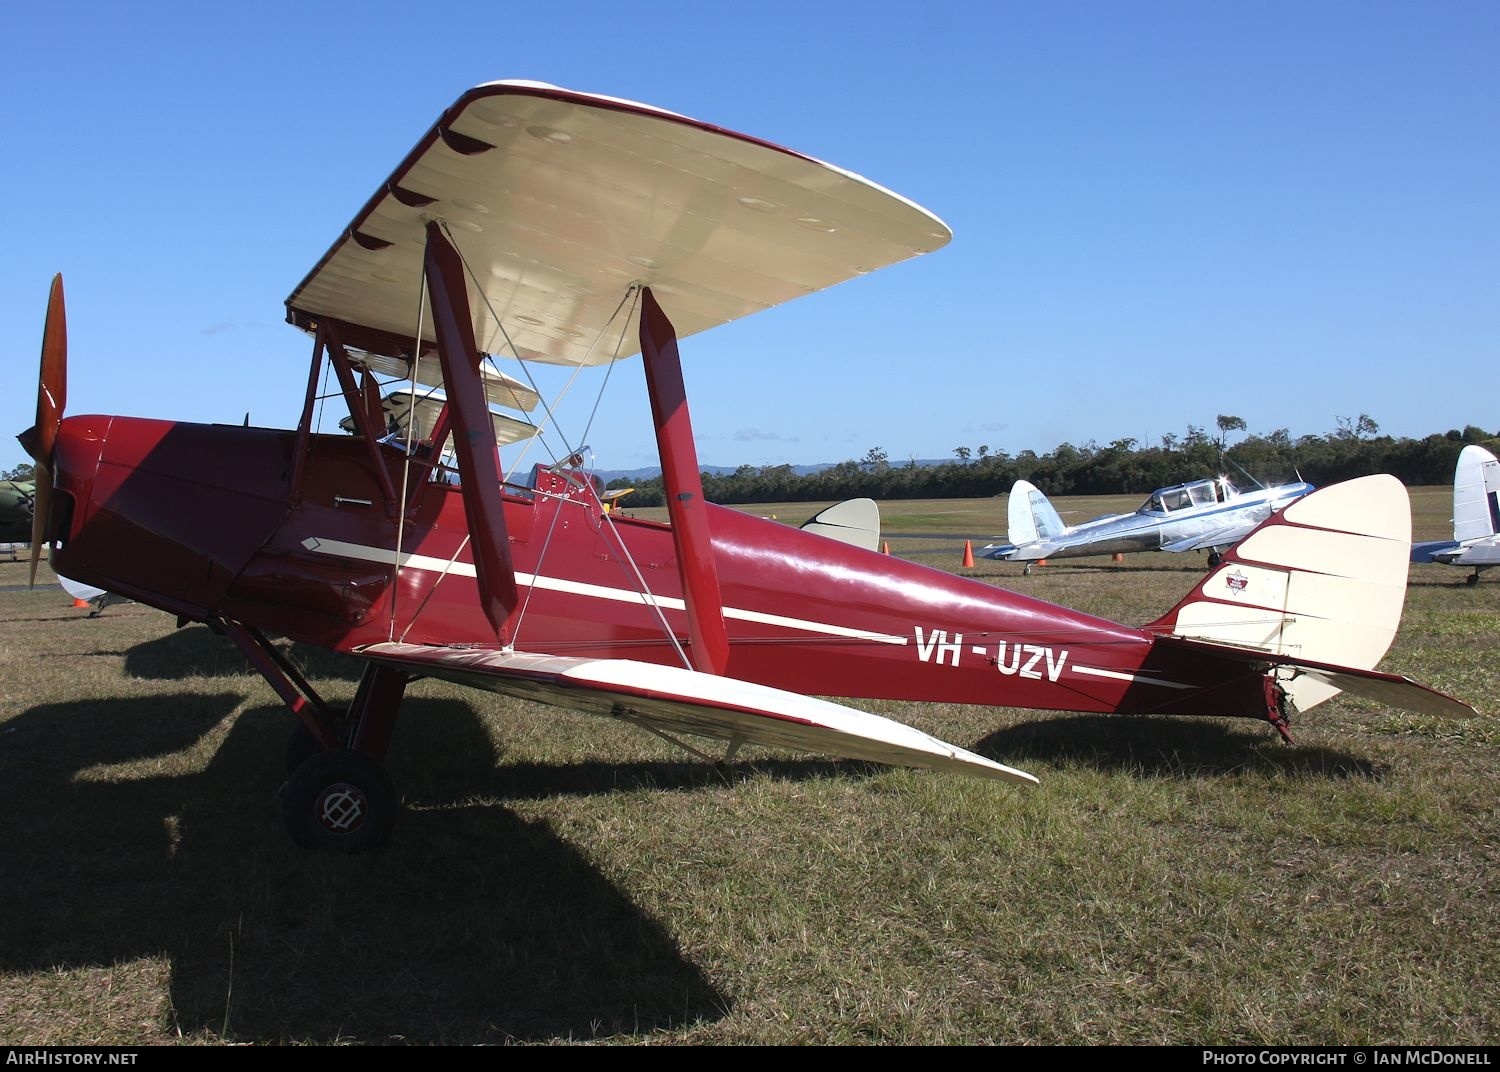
(341, 808)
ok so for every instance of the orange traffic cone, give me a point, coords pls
(1119, 557)
(968, 555)
(80, 603)
(1041, 562)
(885, 547)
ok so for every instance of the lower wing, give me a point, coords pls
(666, 698)
(1219, 537)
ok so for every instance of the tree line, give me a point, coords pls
(1356, 448)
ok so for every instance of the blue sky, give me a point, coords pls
(1287, 212)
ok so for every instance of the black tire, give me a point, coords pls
(343, 801)
(1214, 559)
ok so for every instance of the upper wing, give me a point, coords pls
(671, 698)
(558, 200)
(405, 408)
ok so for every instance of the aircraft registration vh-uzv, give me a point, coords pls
(554, 226)
(1201, 515)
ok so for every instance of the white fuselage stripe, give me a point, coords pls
(1138, 678)
(340, 549)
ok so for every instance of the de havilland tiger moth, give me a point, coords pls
(537, 224)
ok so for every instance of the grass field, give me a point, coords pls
(557, 878)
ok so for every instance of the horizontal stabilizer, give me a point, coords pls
(1480, 554)
(1435, 551)
(1392, 690)
(672, 699)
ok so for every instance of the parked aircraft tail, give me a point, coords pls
(853, 521)
(1031, 516)
(1317, 592)
(1476, 516)
(1476, 495)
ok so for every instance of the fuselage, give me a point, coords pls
(214, 522)
(16, 499)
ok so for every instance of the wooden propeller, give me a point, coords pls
(40, 440)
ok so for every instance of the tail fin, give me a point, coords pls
(1322, 582)
(853, 521)
(1030, 516)
(1476, 495)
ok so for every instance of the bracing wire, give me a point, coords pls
(627, 304)
(409, 447)
(578, 366)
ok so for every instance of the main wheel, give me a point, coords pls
(339, 800)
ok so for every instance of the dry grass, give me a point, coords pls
(556, 878)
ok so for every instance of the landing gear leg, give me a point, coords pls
(337, 794)
(372, 716)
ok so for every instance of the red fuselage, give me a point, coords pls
(204, 521)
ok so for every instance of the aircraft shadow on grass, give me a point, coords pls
(1437, 577)
(477, 926)
(197, 651)
(1166, 748)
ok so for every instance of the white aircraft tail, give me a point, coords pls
(853, 521)
(1031, 517)
(1476, 495)
(1320, 586)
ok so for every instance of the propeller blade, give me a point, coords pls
(41, 509)
(40, 440)
(52, 388)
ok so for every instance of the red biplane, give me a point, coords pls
(544, 225)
